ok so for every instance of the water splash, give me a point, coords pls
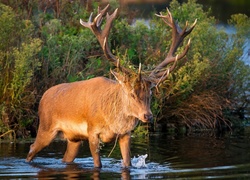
(139, 162)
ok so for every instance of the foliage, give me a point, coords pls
(18, 63)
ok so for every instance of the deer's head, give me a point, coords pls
(136, 90)
(136, 86)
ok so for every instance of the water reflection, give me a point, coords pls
(189, 156)
(76, 171)
(72, 170)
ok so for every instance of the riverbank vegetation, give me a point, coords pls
(43, 44)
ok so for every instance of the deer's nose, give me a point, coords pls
(148, 117)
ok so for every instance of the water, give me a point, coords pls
(194, 156)
(223, 9)
(220, 9)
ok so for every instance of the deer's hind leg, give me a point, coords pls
(43, 139)
(72, 151)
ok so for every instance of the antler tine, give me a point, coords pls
(192, 27)
(102, 34)
(87, 24)
(101, 13)
(109, 21)
(104, 10)
(178, 35)
(164, 17)
(139, 72)
(98, 20)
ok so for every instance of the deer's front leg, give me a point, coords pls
(124, 142)
(95, 151)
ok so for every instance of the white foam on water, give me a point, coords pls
(139, 162)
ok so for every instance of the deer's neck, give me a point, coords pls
(116, 112)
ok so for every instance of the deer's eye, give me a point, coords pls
(133, 95)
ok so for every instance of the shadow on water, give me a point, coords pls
(194, 156)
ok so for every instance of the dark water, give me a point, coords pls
(223, 9)
(195, 156)
(220, 9)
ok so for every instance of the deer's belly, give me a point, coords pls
(74, 131)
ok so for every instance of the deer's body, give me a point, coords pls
(102, 109)
(95, 109)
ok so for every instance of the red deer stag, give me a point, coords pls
(102, 109)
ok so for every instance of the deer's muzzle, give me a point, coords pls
(147, 118)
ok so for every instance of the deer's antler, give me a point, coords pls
(160, 73)
(102, 34)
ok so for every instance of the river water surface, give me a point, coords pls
(194, 156)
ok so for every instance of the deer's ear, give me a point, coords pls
(119, 77)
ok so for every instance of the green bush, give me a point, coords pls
(18, 62)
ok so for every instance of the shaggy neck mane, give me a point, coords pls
(112, 101)
(115, 110)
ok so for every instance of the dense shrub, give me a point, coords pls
(215, 80)
(18, 62)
